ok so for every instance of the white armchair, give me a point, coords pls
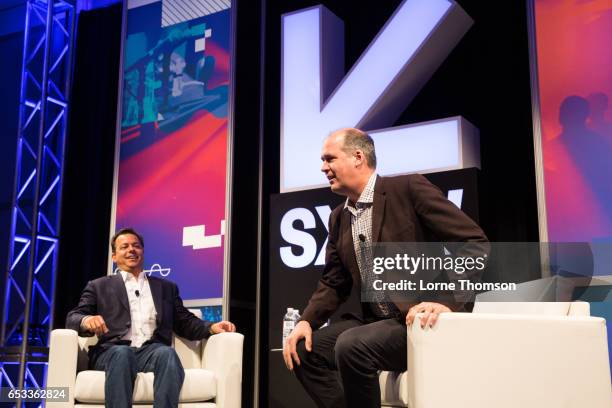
(528, 355)
(213, 372)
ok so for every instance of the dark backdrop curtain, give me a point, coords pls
(89, 157)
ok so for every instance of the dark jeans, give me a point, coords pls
(121, 363)
(342, 369)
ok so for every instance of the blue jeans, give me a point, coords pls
(121, 363)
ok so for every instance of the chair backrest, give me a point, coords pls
(524, 308)
(576, 308)
(189, 352)
(547, 296)
(579, 308)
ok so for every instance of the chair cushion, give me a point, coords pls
(393, 388)
(199, 385)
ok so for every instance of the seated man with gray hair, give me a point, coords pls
(377, 209)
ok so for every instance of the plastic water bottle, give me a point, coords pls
(289, 321)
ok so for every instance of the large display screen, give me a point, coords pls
(575, 87)
(172, 175)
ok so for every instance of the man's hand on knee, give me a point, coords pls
(95, 324)
(301, 331)
(430, 311)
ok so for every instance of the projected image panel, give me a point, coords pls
(171, 182)
(574, 63)
(574, 89)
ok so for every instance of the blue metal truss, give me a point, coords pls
(29, 291)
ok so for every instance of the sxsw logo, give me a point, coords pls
(297, 222)
(318, 97)
(301, 238)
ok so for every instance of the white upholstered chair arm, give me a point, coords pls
(508, 361)
(62, 368)
(223, 356)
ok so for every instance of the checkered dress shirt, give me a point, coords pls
(361, 226)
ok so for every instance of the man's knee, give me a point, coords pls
(167, 356)
(165, 352)
(300, 348)
(344, 344)
(348, 347)
(308, 359)
(121, 353)
(121, 358)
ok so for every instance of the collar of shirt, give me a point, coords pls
(127, 276)
(366, 197)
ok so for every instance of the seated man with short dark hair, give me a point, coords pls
(134, 317)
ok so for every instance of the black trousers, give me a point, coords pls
(342, 369)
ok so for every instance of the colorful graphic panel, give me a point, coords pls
(173, 148)
(575, 87)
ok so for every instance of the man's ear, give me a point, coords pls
(358, 155)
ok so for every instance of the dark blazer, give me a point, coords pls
(405, 209)
(107, 297)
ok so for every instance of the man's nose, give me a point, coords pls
(324, 167)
